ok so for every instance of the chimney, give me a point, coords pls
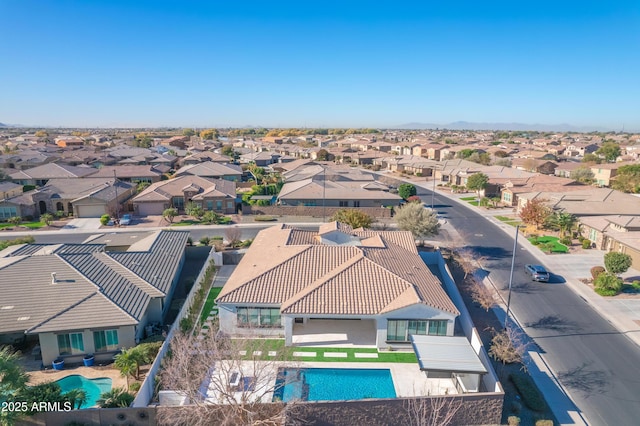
(53, 278)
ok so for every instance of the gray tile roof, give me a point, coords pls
(93, 288)
(53, 170)
(159, 264)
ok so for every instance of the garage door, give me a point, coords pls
(147, 209)
(91, 210)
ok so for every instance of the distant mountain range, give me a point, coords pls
(465, 125)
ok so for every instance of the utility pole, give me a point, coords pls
(115, 185)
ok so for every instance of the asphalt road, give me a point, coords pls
(597, 365)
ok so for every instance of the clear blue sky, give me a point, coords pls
(319, 63)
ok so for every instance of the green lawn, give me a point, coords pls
(209, 303)
(30, 225)
(266, 345)
(557, 247)
(509, 220)
(225, 220)
(468, 198)
(473, 203)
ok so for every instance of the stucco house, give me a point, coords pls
(314, 285)
(78, 299)
(213, 170)
(217, 195)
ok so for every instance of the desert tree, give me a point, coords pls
(194, 210)
(233, 235)
(477, 182)
(481, 294)
(432, 410)
(170, 214)
(469, 260)
(508, 346)
(535, 212)
(353, 217)
(224, 381)
(421, 222)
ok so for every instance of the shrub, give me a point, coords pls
(528, 390)
(205, 241)
(544, 423)
(617, 263)
(263, 218)
(134, 387)
(566, 241)
(104, 219)
(586, 244)
(406, 190)
(513, 421)
(414, 199)
(608, 283)
(596, 270)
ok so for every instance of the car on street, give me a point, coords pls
(125, 219)
(537, 272)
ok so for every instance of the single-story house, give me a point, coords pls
(206, 156)
(87, 197)
(9, 189)
(213, 170)
(40, 175)
(317, 191)
(211, 194)
(317, 285)
(131, 173)
(79, 299)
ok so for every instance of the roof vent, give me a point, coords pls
(53, 278)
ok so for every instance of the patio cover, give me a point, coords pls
(446, 353)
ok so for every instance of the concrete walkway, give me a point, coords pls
(86, 224)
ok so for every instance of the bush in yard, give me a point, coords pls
(607, 284)
(528, 390)
(586, 244)
(205, 241)
(354, 218)
(104, 219)
(406, 190)
(513, 420)
(414, 199)
(617, 263)
(565, 240)
(544, 423)
(597, 270)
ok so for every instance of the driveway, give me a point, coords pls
(86, 224)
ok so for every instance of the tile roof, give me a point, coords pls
(164, 190)
(53, 170)
(93, 288)
(381, 273)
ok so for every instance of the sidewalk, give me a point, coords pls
(622, 313)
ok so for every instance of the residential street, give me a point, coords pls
(598, 365)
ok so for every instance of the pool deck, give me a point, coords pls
(408, 380)
(41, 376)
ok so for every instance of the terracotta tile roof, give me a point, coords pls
(358, 273)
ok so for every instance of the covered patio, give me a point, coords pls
(336, 333)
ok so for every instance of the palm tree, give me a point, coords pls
(564, 221)
(12, 375)
(46, 218)
(128, 362)
(76, 396)
(115, 398)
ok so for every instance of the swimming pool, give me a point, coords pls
(93, 387)
(333, 384)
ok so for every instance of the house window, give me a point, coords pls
(7, 212)
(592, 235)
(400, 330)
(178, 203)
(209, 205)
(259, 317)
(344, 204)
(105, 340)
(506, 196)
(356, 204)
(229, 204)
(218, 205)
(70, 344)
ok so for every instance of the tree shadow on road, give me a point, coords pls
(555, 323)
(585, 380)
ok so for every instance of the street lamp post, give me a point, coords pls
(513, 261)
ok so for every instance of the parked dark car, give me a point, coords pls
(537, 272)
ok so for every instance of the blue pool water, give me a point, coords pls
(333, 384)
(93, 387)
